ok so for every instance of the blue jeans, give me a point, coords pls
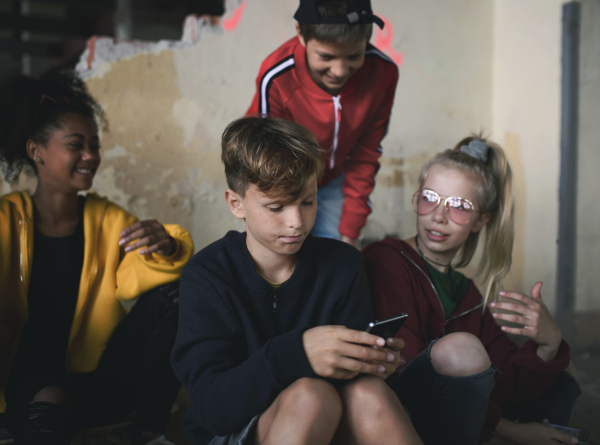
(444, 409)
(330, 200)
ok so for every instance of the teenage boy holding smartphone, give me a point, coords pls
(271, 346)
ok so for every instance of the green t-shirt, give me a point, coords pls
(451, 287)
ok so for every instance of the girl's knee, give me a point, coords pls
(54, 395)
(459, 354)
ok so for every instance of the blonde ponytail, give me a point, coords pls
(495, 198)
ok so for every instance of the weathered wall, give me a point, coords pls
(588, 209)
(466, 65)
(444, 93)
(168, 105)
(526, 119)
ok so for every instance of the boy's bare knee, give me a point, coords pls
(459, 354)
(369, 394)
(312, 395)
(53, 394)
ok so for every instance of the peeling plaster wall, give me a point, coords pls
(168, 102)
(466, 66)
(526, 121)
(588, 212)
(444, 93)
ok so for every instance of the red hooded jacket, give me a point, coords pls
(351, 124)
(400, 282)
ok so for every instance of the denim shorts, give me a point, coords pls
(237, 438)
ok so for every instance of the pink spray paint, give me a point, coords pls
(234, 21)
(384, 39)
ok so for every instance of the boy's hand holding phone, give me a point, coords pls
(388, 329)
(341, 353)
(393, 345)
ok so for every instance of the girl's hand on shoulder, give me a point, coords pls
(533, 314)
(151, 235)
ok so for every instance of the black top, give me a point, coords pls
(52, 297)
(238, 345)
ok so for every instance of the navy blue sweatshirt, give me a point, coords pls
(238, 345)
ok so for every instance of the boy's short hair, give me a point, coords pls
(275, 155)
(336, 34)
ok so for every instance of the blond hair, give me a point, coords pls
(277, 156)
(495, 197)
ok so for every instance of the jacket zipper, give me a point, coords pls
(21, 255)
(438, 297)
(337, 107)
(275, 313)
(90, 282)
(24, 252)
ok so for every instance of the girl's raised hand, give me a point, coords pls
(537, 322)
(149, 234)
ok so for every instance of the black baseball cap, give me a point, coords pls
(359, 11)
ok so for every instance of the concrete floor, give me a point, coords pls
(586, 414)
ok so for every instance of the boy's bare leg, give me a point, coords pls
(373, 415)
(307, 412)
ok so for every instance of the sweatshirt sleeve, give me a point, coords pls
(362, 166)
(227, 387)
(391, 289)
(355, 311)
(267, 101)
(523, 375)
(137, 273)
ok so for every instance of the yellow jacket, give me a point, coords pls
(108, 276)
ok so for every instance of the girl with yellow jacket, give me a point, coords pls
(70, 353)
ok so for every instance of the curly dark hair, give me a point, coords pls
(31, 109)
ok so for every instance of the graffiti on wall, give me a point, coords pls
(384, 38)
(234, 21)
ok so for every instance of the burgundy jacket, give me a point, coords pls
(400, 282)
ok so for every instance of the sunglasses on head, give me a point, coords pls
(459, 209)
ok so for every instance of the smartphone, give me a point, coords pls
(581, 435)
(388, 327)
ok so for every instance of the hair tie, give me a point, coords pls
(476, 149)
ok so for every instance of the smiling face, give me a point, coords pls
(274, 228)
(330, 66)
(440, 238)
(70, 157)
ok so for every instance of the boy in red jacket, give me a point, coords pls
(331, 80)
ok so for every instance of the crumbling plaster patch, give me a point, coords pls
(169, 118)
(147, 144)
